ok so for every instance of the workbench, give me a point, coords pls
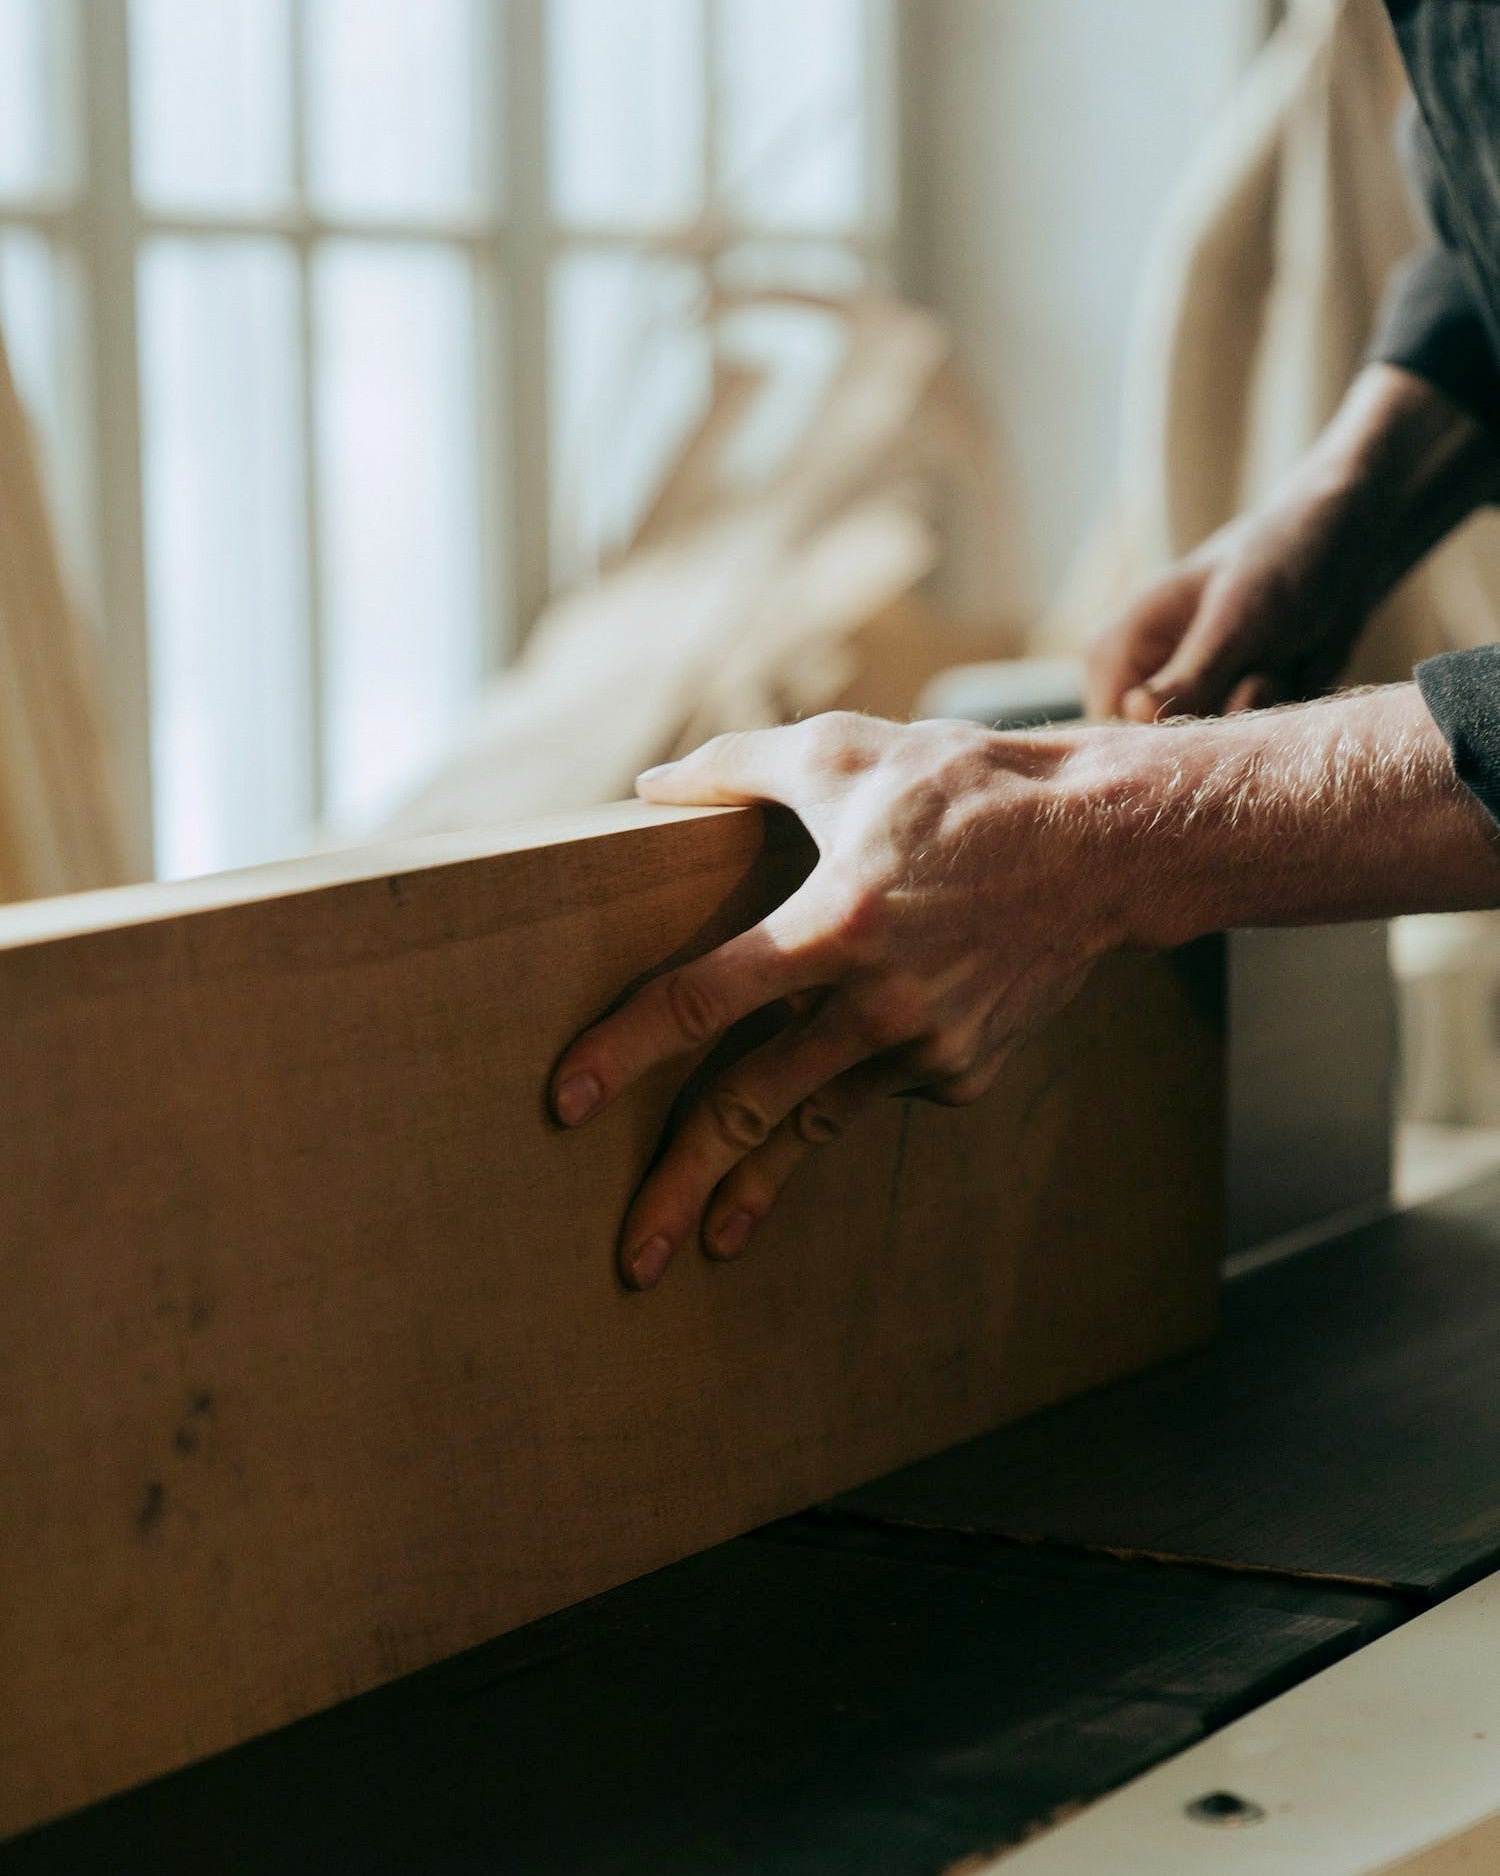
(946, 1661)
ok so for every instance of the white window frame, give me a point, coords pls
(99, 227)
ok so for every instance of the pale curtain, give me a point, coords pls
(1259, 301)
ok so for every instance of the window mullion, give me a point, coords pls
(108, 259)
(882, 119)
(708, 39)
(713, 219)
(500, 617)
(527, 349)
(315, 703)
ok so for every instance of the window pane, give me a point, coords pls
(397, 457)
(791, 116)
(626, 110)
(792, 266)
(393, 128)
(39, 315)
(33, 133)
(223, 493)
(630, 365)
(211, 102)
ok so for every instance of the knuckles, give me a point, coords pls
(739, 1122)
(841, 742)
(889, 1013)
(965, 1089)
(859, 925)
(816, 1124)
(693, 1008)
(943, 1059)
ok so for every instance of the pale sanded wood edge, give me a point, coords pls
(41, 921)
(1387, 1764)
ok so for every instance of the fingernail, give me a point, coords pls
(577, 1098)
(647, 775)
(732, 1234)
(647, 1261)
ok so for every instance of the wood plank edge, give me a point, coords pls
(39, 921)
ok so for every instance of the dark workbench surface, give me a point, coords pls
(939, 1663)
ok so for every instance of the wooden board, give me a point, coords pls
(314, 1365)
(1345, 1424)
(757, 1711)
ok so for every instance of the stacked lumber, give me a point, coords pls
(737, 607)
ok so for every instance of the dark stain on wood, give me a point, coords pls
(189, 1434)
(152, 1507)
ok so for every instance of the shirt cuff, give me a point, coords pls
(1431, 327)
(1462, 690)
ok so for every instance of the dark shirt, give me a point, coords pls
(1442, 319)
(1436, 321)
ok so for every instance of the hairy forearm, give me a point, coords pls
(1343, 809)
(1398, 468)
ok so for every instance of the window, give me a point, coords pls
(351, 327)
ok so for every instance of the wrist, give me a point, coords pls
(1343, 809)
(1398, 466)
(1124, 794)
(1139, 790)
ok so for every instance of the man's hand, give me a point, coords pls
(966, 883)
(960, 897)
(1258, 615)
(1267, 610)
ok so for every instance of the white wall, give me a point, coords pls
(1040, 141)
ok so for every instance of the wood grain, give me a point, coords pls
(314, 1366)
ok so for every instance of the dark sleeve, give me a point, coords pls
(1433, 323)
(1431, 327)
(1462, 690)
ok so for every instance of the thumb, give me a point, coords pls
(1140, 642)
(740, 767)
(1207, 664)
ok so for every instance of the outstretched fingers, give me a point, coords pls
(688, 1009)
(750, 1190)
(733, 1120)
